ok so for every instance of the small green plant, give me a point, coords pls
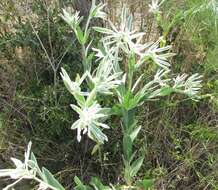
(29, 169)
(121, 57)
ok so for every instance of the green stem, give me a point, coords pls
(84, 57)
(55, 86)
(83, 45)
(128, 125)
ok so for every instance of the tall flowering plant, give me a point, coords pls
(119, 73)
(120, 60)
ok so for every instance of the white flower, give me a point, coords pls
(193, 84)
(22, 170)
(73, 87)
(99, 53)
(105, 84)
(179, 81)
(128, 41)
(72, 19)
(158, 78)
(122, 36)
(158, 55)
(96, 10)
(105, 79)
(89, 122)
(29, 169)
(213, 4)
(190, 85)
(155, 6)
(105, 53)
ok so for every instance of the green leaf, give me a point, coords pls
(98, 135)
(88, 61)
(77, 181)
(80, 36)
(146, 184)
(128, 119)
(86, 35)
(95, 149)
(34, 160)
(94, 10)
(49, 178)
(136, 165)
(80, 185)
(103, 30)
(116, 110)
(80, 99)
(135, 132)
(96, 183)
(127, 147)
(127, 99)
(165, 91)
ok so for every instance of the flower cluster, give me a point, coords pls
(89, 122)
(189, 85)
(73, 19)
(23, 170)
(91, 115)
(155, 6)
(129, 41)
(97, 10)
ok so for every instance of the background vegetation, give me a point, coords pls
(180, 136)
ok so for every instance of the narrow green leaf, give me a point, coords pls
(103, 30)
(88, 61)
(80, 185)
(127, 147)
(134, 134)
(136, 165)
(97, 184)
(95, 149)
(80, 99)
(80, 35)
(98, 134)
(34, 160)
(49, 178)
(128, 118)
(165, 91)
(86, 35)
(77, 181)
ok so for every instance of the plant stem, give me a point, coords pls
(83, 45)
(84, 58)
(128, 126)
(55, 86)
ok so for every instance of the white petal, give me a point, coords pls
(6, 172)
